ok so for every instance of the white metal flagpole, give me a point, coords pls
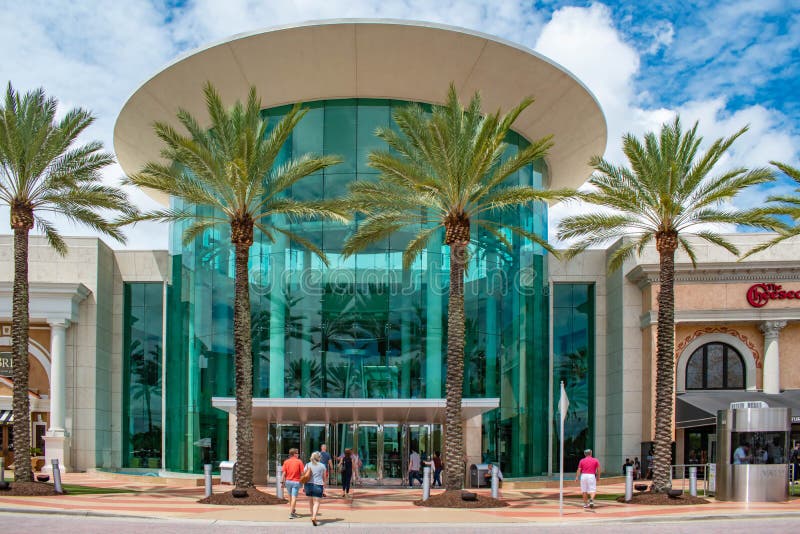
(563, 406)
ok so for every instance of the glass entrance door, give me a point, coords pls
(392, 462)
(343, 437)
(281, 438)
(367, 443)
(313, 438)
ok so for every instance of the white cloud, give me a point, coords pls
(96, 54)
(586, 42)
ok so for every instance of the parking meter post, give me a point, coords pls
(495, 482)
(693, 481)
(426, 483)
(628, 483)
(207, 478)
(57, 477)
(278, 478)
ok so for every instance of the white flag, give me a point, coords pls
(563, 403)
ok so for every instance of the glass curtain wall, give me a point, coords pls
(573, 362)
(142, 388)
(362, 327)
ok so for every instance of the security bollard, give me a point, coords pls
(495, 482)
(57, 477)
(426, 483)
(693, 481)
(207, 477)
(278, 478)
(628, 483)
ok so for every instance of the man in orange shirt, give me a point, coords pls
(292, 470)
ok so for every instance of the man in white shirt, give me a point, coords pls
(414, 463)
(740, 454)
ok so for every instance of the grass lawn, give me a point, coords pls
(75, 489)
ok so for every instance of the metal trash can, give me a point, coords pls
(477, 475)
(226, 470)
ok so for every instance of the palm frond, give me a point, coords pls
(54, 239)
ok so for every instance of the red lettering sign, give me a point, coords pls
(759, 294)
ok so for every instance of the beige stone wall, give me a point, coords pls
(790, 356)
(725, 296)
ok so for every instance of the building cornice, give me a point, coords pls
(52, 302)
(718, 272)
(751, 315)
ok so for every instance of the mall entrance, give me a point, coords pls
(382, 449)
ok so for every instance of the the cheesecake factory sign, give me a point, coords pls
(6, 364)
(760, 294)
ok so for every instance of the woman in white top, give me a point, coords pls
(314, 487)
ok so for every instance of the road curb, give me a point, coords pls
(549, 521)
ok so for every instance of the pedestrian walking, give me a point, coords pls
(414, 464)
(346, 469)
(292, 470)
(438, 466)
(588, 473)
(794, 459)
(315, 471)
(327, 461)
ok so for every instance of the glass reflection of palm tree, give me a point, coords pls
(474, 359)
(354, 324)
(147, 368)
(259, 331)
(295, 377)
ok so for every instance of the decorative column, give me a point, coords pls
(57, 438)
(772, 361)
(433, 322)
(277, 316)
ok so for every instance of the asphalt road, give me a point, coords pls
(29, 523)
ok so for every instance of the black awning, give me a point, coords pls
(699, 408)
(6, 417)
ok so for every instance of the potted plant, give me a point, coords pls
(37, 460)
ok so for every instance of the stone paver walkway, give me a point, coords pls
(369, 505)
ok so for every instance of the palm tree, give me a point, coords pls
(445, 170)
(783, 205)
(666, 193)
(230, 167)
(42, 171)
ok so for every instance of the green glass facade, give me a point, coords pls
(141, 388)
(362, 327)
(573, 362)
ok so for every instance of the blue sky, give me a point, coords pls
(726, 64)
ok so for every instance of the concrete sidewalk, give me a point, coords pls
(376, 505)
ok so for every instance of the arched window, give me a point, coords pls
(715, 366)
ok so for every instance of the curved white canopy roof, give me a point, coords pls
(373, 59)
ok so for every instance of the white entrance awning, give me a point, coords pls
(379, 411)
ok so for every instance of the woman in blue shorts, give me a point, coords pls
(315, 484)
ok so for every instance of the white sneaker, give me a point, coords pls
(591, 504)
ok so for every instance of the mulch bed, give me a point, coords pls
(254, 497)
(663, 499)
(29, 489)
(452, 499)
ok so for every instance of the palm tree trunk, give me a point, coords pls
(19, 342)
(454, 437)
(665, 364)
(243, 369)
